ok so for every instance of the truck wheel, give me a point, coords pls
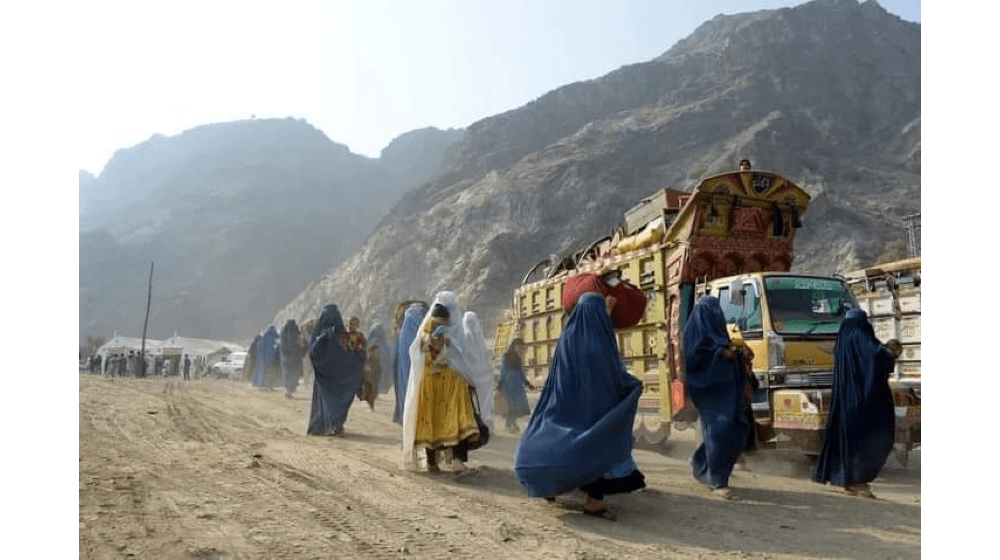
(654, 437)
(650, 432)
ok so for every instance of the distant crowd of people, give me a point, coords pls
(139, 364)
(579, 435)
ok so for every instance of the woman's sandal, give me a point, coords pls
(724, 493)
(862, 490)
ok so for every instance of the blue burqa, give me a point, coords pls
(250, 365)
(291, 350)
(861, 425)
(267, 372)
(716, 385)
(512, 381)
(581, 430)
(401, 366)
(380, 354)
(338, 374)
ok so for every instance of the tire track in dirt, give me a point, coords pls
(185, 427)
(335, 507)
(104, 413)
(403, 525)
(475, 527)
(483, 526)
(198, 422)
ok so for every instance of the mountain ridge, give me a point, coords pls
(747, 85)
(237, 217)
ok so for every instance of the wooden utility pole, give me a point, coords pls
(912, 225)
(142, 350)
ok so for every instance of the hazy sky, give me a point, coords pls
(363, 71)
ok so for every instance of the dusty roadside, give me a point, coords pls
(213, 469)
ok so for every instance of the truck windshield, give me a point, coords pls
(804, 305)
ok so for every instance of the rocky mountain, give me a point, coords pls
(86, 181)
(826, 93)
(237, 218)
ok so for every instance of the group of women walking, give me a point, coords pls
(860, 423)
(274, 359)
(440, 370)
(579, 436)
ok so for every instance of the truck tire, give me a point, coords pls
(650, 432)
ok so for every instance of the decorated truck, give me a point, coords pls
(730, 237)
(890, 294)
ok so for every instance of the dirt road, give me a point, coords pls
(215, 470)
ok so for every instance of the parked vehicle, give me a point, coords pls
(229, 367)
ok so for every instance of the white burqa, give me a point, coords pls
(482, 366)
(458, 357)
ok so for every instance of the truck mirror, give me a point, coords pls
(736, 292)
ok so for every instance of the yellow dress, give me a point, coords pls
(444, 407)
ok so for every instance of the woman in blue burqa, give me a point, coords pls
(861, 423)
(383, 348)
(407, 326)
(291, 348)
(338, 368)
(717, 386)
(379, 358)
(267, 373)
(512, 384)
(250, 364)
(580, 435)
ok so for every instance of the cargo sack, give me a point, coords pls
(630, 301)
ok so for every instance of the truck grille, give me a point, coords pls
(821, 378)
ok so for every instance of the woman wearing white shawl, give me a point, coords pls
(482, 367)
(453, 433)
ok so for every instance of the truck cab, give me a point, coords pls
(790, 323)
